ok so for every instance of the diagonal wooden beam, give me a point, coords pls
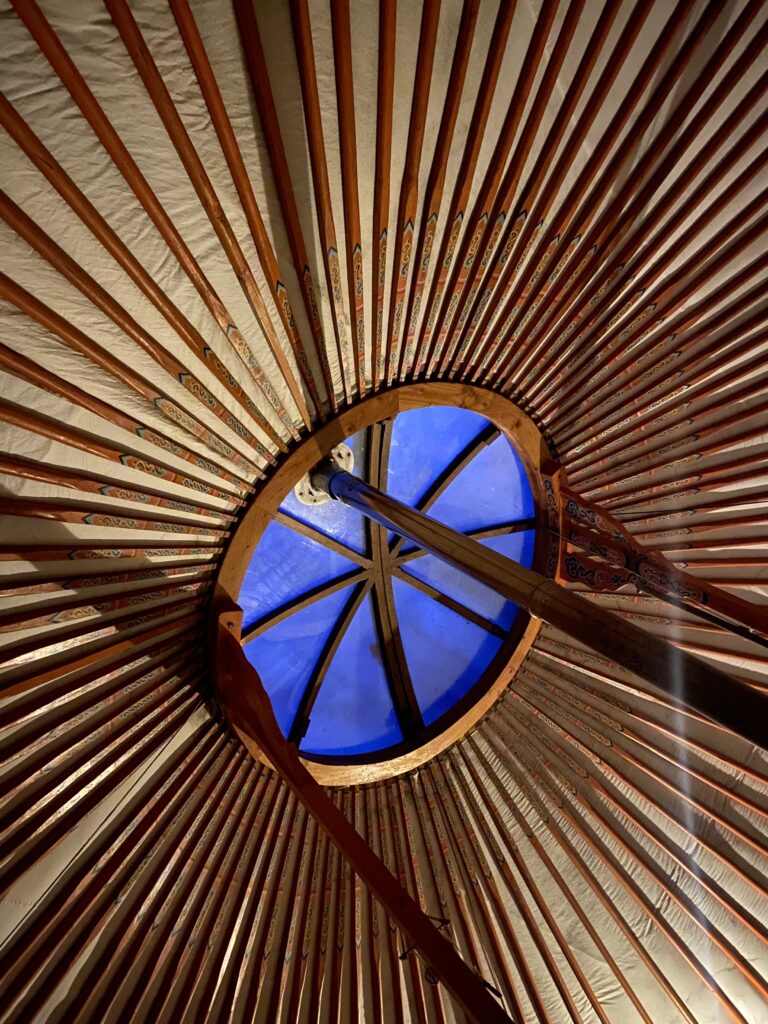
(30, 231)
(463, 187)
(345, 100)
(57, 582)
(55, 610)
(433, 193)
(92, 513)
(672, 295)
(305, 58)
(301, 718)
(502, 529)
(592, 528)
(46, 647)
(384, 108)
(643, 387)
(262, 92)
(51, 46)
(102, 357)
(248, 708)
(493, 263)
(322, 538)
(162, 100)
(687, 680)
(619, 218)
(71, 549)
(409, 183)
(494, 207)
(642, 250)
(305, 600)
(57, 177)
(220, 119)
(584, 198)
(32, 373)
(105, 485)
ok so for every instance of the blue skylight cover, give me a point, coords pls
(287, 654)
(322, 663)
(354, 712)
(285, 565)
(446, 653)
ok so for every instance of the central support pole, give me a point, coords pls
(686, 679)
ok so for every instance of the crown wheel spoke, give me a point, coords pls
(390, 641)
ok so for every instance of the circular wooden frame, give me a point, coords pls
(515, 425)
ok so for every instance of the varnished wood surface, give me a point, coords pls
(690, 681)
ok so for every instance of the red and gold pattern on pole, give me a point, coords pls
(591, 529)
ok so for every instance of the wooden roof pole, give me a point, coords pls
(586, 521)
(245, 701)
(685, 678)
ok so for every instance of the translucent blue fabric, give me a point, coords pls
(287, 653)
(284, 566)
(456, 584)
(354, 712)
(424, 442)
(446, 653)
(487, 491)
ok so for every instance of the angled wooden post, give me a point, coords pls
(681, 676)
(247, 705)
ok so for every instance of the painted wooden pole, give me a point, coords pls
(686, 679)
(585, 522)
